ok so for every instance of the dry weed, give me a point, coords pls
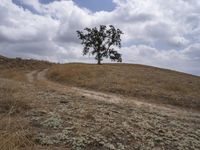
(14, 130)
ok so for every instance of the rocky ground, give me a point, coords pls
(75, 122)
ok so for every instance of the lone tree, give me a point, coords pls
(101, 42)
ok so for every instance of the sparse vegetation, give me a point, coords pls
(116, 127)
(50, 116)
(147, 83)
(16, 68)
(54, 122)
(14, 133)
(14, 129)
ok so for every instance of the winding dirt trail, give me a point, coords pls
(35, 76)
(30, 76)
(39, 76)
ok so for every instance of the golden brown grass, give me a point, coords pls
(17, 68)
(14, 133)
(22, 64)
(14, 130)
(149, 83)
(14, 74)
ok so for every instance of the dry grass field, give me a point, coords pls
(39, 114)
(15, 68)
(148, 83)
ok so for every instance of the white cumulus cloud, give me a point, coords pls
(156, 32)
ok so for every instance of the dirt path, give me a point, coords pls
(39, 76)
(30, 76)
(109, 98)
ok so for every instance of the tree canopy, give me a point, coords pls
(101, 42)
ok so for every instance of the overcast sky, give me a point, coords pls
(162, 33)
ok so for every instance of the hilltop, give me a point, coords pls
(85, 107)
(150, 84)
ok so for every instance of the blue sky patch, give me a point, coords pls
(93, 5)
(30, 8)
(96, 5)
(46, 1)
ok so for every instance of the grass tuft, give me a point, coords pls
(14, 130)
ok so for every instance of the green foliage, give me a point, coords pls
(100, 42)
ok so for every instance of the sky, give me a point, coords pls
(159, 33)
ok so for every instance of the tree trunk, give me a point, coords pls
(99, 58)
(99, 61)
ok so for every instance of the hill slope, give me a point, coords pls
(42, 114)
(147, 83)
(22, 64)
(15, 68)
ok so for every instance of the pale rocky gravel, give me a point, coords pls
(83, 123)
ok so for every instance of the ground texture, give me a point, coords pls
(48, 115)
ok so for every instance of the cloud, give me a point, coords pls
(19, 25)
(156, 32)
(186, 60)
